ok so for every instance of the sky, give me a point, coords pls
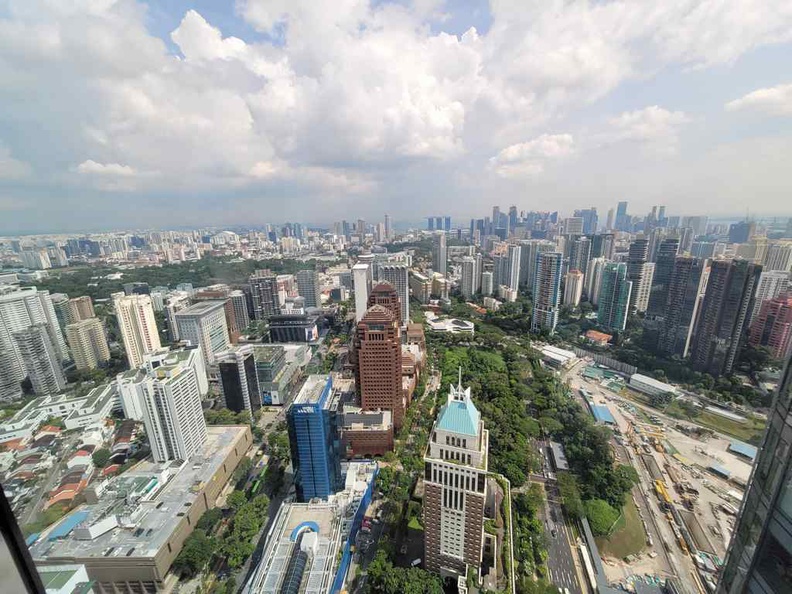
(170, 113)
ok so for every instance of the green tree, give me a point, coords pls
(601, 516)
(661, 400)
(278, 443)
(570, 495)
(195, 554)
(236, 500)
(101, 457)
(209, 519)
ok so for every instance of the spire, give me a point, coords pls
(460, 377)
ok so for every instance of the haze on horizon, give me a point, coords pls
(124, 113)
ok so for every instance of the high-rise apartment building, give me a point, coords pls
(721, 327)
(636, 258)
(455, 482)
(593, 279)
(645, 287)
(204, 324)
(308, 287)
(573, 288)
(772, 327)
(138, 327)
(603, 245)
(614, 297)
(314, 440)
(238, 379)
(397, 275)
(88, 343)
(376, 358)
(580, 254)
(165, 393)
(772, 283)
(385, 294)
(685, 295)
(69, 311)
(778, 256)
(546, 291)
(487, 283)
(661, 281)
(362, 277)
(529, 249)
(41, 359)
(239, 307)
(467, 285)
(440, 254)
(264, 290)
(573, 226)
(21, 308)
(759, 559)
(512, 277)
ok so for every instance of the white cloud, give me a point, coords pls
(91, 167)
(653, 127)
(529, 158)
(776, 101)
(11, 168)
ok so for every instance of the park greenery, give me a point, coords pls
(601, 516)
(384, 578)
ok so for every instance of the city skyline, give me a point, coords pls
(611, 112)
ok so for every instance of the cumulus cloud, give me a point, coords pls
(775, 101)
(653, 127)
(529, 158)
(345, 96)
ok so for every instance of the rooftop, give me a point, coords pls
(315, 390)
(201, 308)
(650, 381)
(743, 449)
(459, 415)
(138, 511)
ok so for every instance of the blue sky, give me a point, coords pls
(124, 113)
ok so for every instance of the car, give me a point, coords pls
(415, 562)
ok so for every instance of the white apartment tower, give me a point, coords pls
(362, 277)
(645, 286)
(204, 324)
(42, 362)
(138, 327)
(88, 343)
(772, 283)
(469, 275)
(397, 275)
(455, 479)
(573, 288)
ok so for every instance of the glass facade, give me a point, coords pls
(760, 556)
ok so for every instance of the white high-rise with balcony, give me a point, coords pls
(138, 327)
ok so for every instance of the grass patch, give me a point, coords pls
(750, 432)
(628, 536)
(414, 524)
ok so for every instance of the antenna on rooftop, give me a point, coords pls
(460, 377)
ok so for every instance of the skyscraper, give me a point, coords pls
(513, 267)
(239, 305)
(264, 289)
(397, 275)
(590, 219)
(580, 254)
(138, 327)
(21, 308)
(455, 482)
(388, 228)
(385, 294)
(467, 284)
(741, 232)
(529, 249)
(313, 438)
(205, 324)
(376, 358)
(683, 302)
(308, 287)
(610, 220)
(487, 283)
(645, 287)
(165, 394)
(88, 343)
(603, 245)
(772, 327)
(593, 279)
(238, 379)
(664, 269)
(440, 254)
(41, 359)
(573, 288)
(636, 258)
(778, 256)
(759, 559)
(573, 225)
(622, 218)
(361, 278)
(721, 326)
(614, 297)
(772, 283)
(546, 291)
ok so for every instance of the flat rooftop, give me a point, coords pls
(201, 308)
(313, 390)
(165, 491)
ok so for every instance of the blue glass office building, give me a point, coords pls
(314, 441)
